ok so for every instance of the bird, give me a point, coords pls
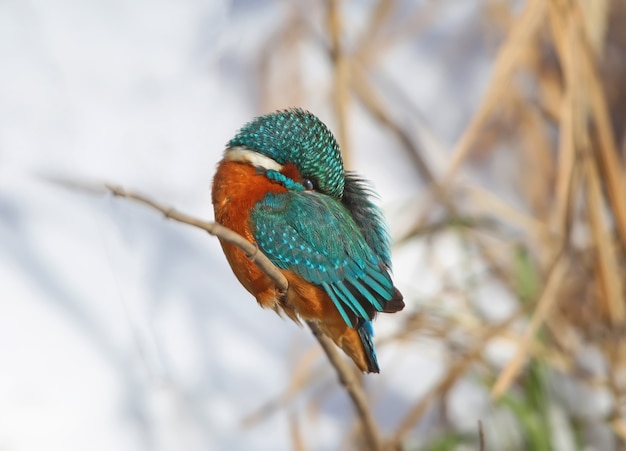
(281, 184)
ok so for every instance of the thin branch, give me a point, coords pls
(455, 372)
(345, 373)
(373, 104)
(481, 436)
(352, 385)
(223, 233)
(545, 303)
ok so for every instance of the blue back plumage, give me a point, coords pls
(314, 236)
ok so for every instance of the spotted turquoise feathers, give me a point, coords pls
(297, 136)
(314, 236)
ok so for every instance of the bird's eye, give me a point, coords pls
(308, 184)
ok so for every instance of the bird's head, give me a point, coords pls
(291, 137)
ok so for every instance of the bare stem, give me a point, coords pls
(351, 383)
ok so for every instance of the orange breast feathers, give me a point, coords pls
(237, 187)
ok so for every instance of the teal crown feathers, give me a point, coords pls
(297, 136)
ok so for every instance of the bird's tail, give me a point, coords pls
(366, 334)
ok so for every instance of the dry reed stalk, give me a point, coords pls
(565, 339)
(373, 42)
(303, 373)
(365, 48)
(611, 300)
(611, 168)
(539, 163)
(619, 427)
(520, 37)
(583, 185)
(481, 436)
(595, 20)
(569, 32)
(282, 79)
(545, 304)
(516, 45)
(372, 103)
(613, 347)
(567, 153)
(489, 202)
(296, 433)
(341, 91)
(550, 91)
(456, 371)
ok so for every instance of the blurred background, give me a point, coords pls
(494, 132)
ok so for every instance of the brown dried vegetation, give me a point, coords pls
(555, 104)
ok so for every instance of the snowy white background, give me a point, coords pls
(120, 330)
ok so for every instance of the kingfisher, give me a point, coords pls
(282, 185)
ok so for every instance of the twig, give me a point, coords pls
(223, 233)
(447, 381)
(344, 372)
(296, 433)
(546, 302)
(519, 38)
(349, 381)
(481, 436)
(373, 104)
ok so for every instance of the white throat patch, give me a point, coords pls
(243, 155)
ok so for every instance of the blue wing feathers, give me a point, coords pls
(315, 236)
(367, 295)
(382, 292)
(382, 278)
(368, 217)
(338, 304)
(351, 300)
(366, 334)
